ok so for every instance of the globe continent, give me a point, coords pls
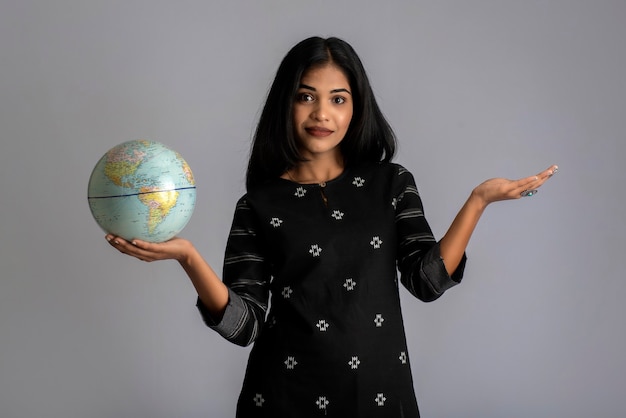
(142, 189)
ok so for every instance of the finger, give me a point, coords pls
(539, 178)
(127, 248)
(144, 245)
(526, 183)
(531, 184)
(147, 250)
(545, 175)
(114, 240)
(119, 243)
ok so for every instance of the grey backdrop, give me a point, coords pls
(474, 89)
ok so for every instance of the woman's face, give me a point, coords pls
(322, 111)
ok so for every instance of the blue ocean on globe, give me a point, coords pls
(142, 190)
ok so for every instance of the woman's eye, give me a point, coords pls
(305, 97)
(339, 100)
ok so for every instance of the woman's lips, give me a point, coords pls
(318, 131)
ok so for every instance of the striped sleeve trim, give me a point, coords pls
(239, 319)
(240, 326)
(252, 301)
(242, 232)
(409, 214)
(242, 258)
(242, 205)
(423, 237)
(411, 190)
(409, 255)
(407, 190)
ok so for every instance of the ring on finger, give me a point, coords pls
(528, 193)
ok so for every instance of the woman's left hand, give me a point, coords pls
(497, 189)
(454, 242)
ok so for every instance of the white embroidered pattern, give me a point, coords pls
(403, 358)
(394, 202)
(275, 222)
(315, 250)
(322, 325)
(300, 192)
(354, 363)
(287, 291)
(349, 284)
(376, 242)
(258, 400)
(291, 363)
(380, 399)
(358, 182)
(379, 320)
(337, 214)
(322, 402)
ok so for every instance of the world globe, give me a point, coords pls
(142, 190)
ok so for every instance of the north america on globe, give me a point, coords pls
(142, 190)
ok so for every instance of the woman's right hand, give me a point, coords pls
(174, 249)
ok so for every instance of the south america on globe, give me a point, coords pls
(142, 190)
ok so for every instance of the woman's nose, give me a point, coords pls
(320, 113)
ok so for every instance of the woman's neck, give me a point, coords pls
(315, 171)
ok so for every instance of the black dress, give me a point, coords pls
(333, 343)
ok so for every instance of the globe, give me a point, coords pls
(142, 189)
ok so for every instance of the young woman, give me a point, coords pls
(327, 222)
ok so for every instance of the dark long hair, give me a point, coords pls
(274, 148)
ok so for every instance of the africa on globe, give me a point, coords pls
(142, 190)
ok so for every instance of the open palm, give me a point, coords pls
(497, 189)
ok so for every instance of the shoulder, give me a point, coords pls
(269, 194)
(242, 207)
(383, 168)
(393, 174)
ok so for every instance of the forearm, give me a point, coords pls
(454, 242)
(211, 290)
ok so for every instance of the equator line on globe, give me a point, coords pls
(142, 190)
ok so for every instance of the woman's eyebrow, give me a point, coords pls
(340, 90)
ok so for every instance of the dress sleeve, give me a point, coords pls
(421, 267)
(247, 277)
